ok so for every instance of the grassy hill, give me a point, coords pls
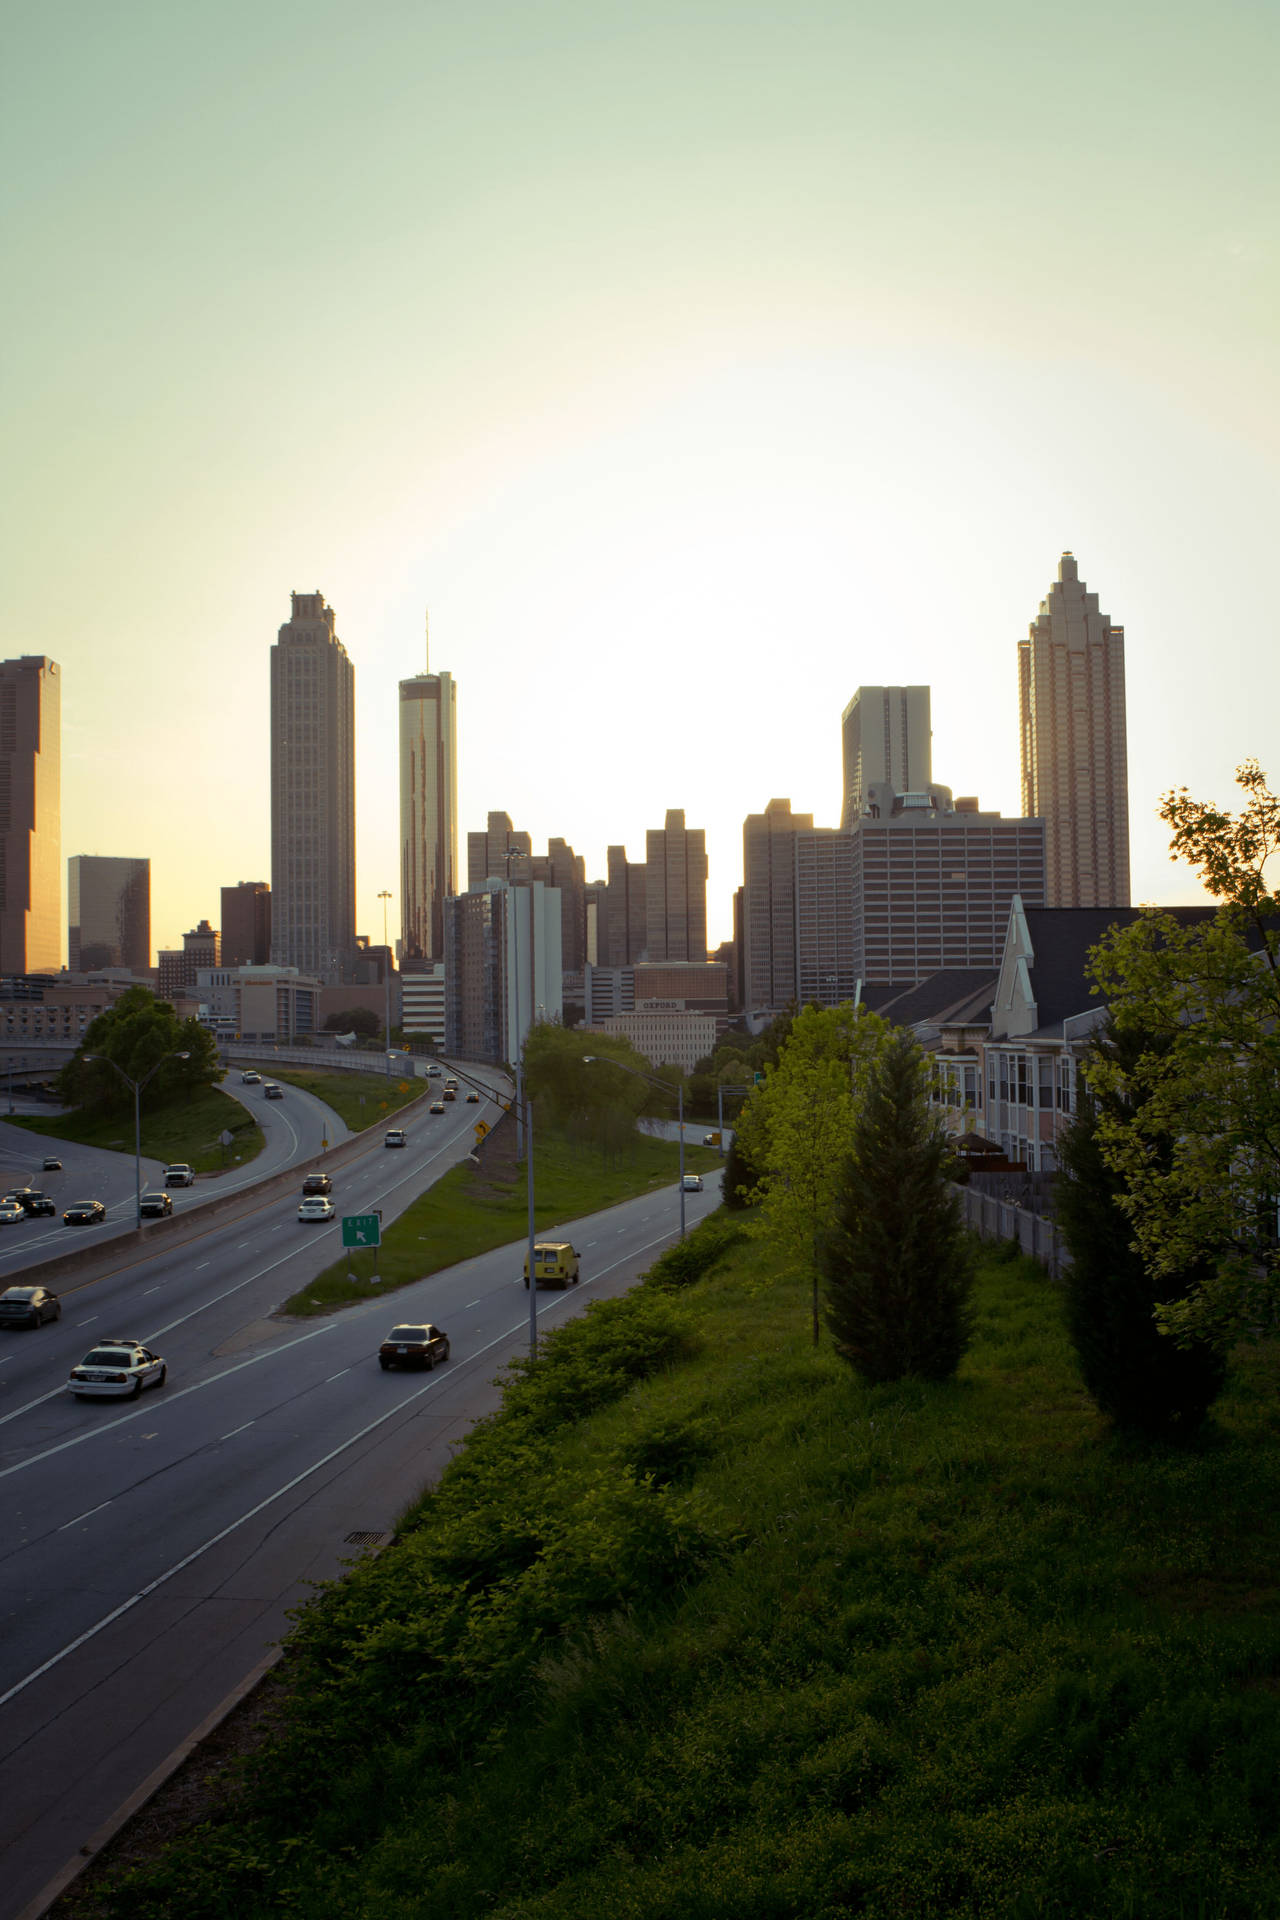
(700, 1627)
(189, 1128)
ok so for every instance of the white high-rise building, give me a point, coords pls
(888, 741)
(1075, 773)
(428, 810)
(313, 795)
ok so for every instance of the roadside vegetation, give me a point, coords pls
(703, 1624)
(360, 1100)
(471, 1210)
(188, 1126)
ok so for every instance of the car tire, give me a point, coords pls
(384, 1364)
(164, 1375)
(445, 1354)
(526, 1283)
(429, 1361)
(137, 1388)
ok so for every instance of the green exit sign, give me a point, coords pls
(362, 1229)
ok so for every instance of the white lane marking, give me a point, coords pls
(338, 1375)
(203, 1263)
(91, 1433)
(84, 1516)
(469, 1305)
(235, 1430)
(151, 1290)
(240, 1244)
(179, 1566)
(87, 1323)
(591, 1243)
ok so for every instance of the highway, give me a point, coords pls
(153, 1548)
(295, 1128)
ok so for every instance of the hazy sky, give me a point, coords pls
(692, 363)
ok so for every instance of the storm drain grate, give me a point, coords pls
(365, 1539)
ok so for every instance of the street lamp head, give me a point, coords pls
(589, 1058)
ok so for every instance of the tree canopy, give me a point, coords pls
(1191, 1125)
(591, 1102)
(796, 1129)
(141, 1036)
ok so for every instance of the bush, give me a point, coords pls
(694, 1256)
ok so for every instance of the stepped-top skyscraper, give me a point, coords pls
(676, 891)
(313, 794)
(1074, 759)
(428, 810)
(887, 739)
(30, 816)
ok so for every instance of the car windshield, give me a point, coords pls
(16, 1294)
(85, 1205)
(107, 1357)
(409, 1333)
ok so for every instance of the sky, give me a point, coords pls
(692, 364)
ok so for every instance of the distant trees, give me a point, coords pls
(796, 1128)
(360, 1020)
(137, 1033)
(1135, 1374)
(1190, 1122)
(898, 1262)
(588, 1102)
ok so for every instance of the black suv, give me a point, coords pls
(31, 1200)
(317, 1183)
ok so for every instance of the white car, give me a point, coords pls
(693, 1183)
(316, 1206)
(115, 1370)
(179, 1174)
(250, 1079)
(12, 1213)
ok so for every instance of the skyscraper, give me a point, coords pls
(108, 913)
(428, 810)
(487, 851)
(769, 904)
(676, 891)
(246, 924)
(30, 820)
(886, 737)
(313, 794)
(1074, 757)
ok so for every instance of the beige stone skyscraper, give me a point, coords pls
(428, 810)
(313, 795)
(769, 905)
(30, 817)
(886, 736)
(1074, 758)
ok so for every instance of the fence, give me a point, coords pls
(990, 1210)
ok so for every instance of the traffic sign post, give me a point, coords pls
(363, 1230)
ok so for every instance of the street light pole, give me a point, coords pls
(384, 896)
(596, 1059)
(137, 1085)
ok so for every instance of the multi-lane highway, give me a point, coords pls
(153, 1548)
(296, 1128)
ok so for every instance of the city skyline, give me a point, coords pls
(681, 445)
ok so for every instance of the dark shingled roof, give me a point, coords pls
(956, 995)
(1060, 941)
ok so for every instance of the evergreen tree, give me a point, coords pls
(898, 1262)
(1134, 1373)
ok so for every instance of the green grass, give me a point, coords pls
(182, 1129)
(360, 1100)
(699, 1626)
(468, 1212)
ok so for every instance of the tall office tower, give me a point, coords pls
(1075, 773)
(625, 929)
(566, 871)
(676, 890)
(108, 913)
(428, 810)
(30, 820)
(923, 884)
(769, 904)
(487, 851)
(886, 736)
(246, 924)
(313, 795)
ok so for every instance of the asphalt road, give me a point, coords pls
(295, 1128)
(153, 1548)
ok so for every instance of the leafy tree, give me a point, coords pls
(797, 1128)
(1133, 1372)
(588, 1102)
(361, 1020)
(137, 1033)
(1192, 1124)
(898, 1262)
(740, 1177)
